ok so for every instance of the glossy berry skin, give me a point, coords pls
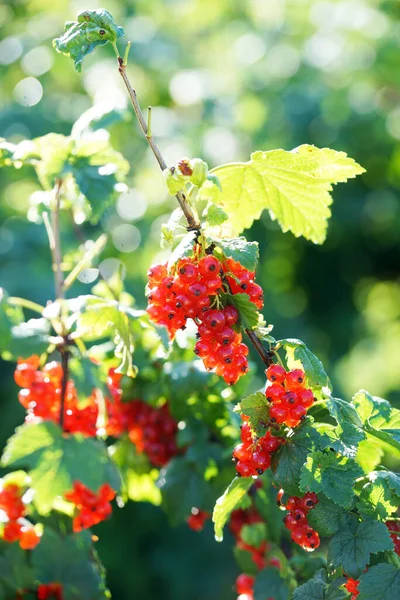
(352, 586)
(287, 395)
(253, 456)
(187, 291)
(276, 374)
(92, 507)
(296, 520)
(244, 584)
(197, 519)
(50, 591)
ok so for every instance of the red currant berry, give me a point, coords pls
(295, 378)
(209, 266)
(276, 373)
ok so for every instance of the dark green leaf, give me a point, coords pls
(15, 571)
(54, 462)
(326, 517)
(381, 582)
(290, 458)
(228, 502)
(334, 476)
(71, 561)
(270, 584)
(92, 28)
(240, 250)
(351, 547)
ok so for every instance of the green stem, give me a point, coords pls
(24, 303)
(92, 252)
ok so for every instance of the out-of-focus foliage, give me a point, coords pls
(224, 78)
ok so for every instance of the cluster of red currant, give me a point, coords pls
(17, 527)
(91, 508)
(296, 519)
(41, 397)
(289, 397)
(153, 431)
(244, 586)
(188, 291)
(249, 516)
(351, 586)
(49, 591)
(253, 455)
(197, 519)
(394, 528)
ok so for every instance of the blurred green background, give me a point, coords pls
(225, 77)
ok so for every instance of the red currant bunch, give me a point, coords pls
(219, 346)
(244, 586)
(153, 432)
(352, 586)
(50, 591)
(197, 519)
(189, 290)
(296, 520)
(241, 281)
(290, 399)
(241, 517)
(253, 455)
(92, 508)
(394, 526)
(17, 528)
(41, 397)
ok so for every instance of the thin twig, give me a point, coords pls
(64, 381)
(53, 233)
(192, 221)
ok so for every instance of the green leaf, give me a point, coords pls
(380, 420)
(343, 411)
(214, 215)
(381, 496)
(98, 116)
(293, 186)
(287, 463)
(381, 582)
(184, 248)
(6, 153)
(9, 316)
(228, 502)
(99, 171)
(351, 547)
(54, 462)
(91, 29)
(268, 584)
(344, 438)
(48, 154)
(174, 230)
(334, 476)
(256, 407)
(254, 535)
(71, 561)
(317, 589)
(240, 250)
(299, 356)
(30, 337)
(108, 318)
(248, 313)
(369, 454)
(326, 517)
(15, 571)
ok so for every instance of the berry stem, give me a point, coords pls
(24, 303)
(64, 382)
(55, 241)
(193, 223)
(192, 220)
